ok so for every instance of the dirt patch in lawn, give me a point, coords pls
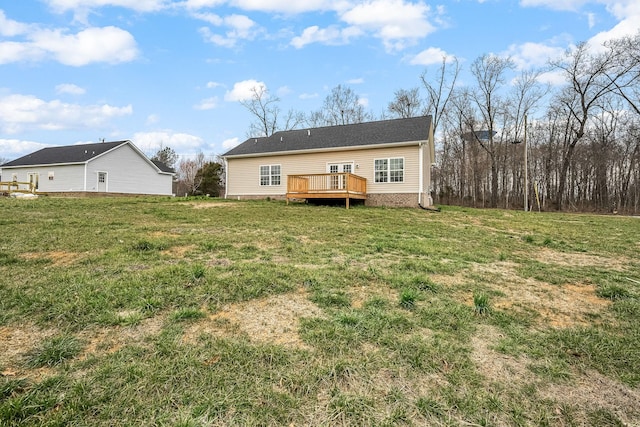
(560, 306)
(109, 340)
(271, 320)
(208, 205)
(361, 294)
(178, 251)
(549, 256)
(585, 392)
(57, 258)
(592, 390)
(15, 343)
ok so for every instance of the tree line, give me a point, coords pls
(581, 134)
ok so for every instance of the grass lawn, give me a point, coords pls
(204, 312)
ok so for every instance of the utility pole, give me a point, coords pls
(526, 177)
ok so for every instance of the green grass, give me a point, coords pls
(150, 311)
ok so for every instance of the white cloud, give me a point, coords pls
(308, 95)
(430, 56)
(239, 27)
(207, 104)
(533, 55)
(397, 22)
(357, 81)
(82, 8)
(20, 112)
(107, 44)
(554, 78)
(15, 148)
(244, 90)
(150, 142)
(284, 91)
(363, 101)
(70, 89)
(213, 85)
(152, 119)
(331, 36)
(627, 27)
(228, 144)
(288, 6)
(554, 4)
(201, 4)
(10, 28)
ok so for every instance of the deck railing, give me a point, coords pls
(327, 186)
(14, 187)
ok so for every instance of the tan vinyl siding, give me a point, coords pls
(243, 177)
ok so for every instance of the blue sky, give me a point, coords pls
(172, 72)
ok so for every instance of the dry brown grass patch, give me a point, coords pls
(102, 341)
(271, 320)
(586, 392)
(15, 342)
(592, 390)
(178, 251)
(57, 258)
(361, 294)
(559, 306)
(549, 256)
(208, 205)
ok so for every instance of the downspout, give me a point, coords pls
(85, 177)
(226, 177)
(421, 186)
(420, 172)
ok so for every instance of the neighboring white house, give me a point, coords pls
(391, 158)
(107, 167)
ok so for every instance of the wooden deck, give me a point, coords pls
(327, 186)
(14, 187)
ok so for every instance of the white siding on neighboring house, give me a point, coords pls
(127, 172)
(243, 177)
(65, 177)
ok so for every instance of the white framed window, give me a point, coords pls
(270, 175)
(51, 176)
(389, 170)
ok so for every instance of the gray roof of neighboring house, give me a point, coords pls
(163, 166)
(73, 154)
(342, 136)
(67, 154)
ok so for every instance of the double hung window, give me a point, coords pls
(270, 175)
(389, 170)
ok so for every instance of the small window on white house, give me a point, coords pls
(102, 177)
(270, 175)
(50, 176)
(389, 170)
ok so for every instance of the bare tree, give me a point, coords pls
(267, 115)
(341, 107)
(591, 76)
(189, 182)
(441, 90)
(406, 103)
(489, 72)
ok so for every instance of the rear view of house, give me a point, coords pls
(386, 163)
(108, 167)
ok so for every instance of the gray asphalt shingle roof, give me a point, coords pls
(67, 154)
(354, 135)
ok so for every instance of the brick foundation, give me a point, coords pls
(393, 200)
